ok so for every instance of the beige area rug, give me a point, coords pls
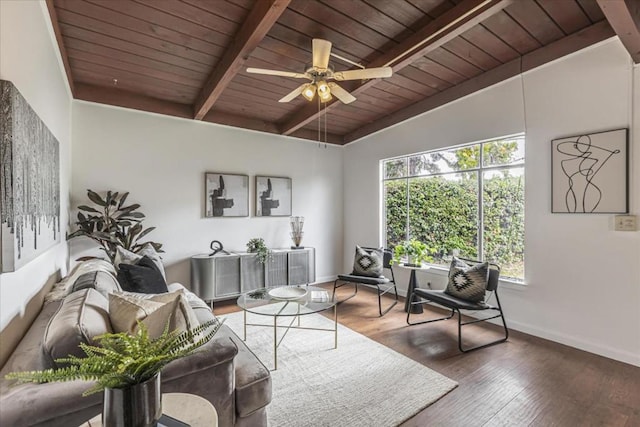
(361, 383)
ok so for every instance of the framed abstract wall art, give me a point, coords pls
(273, 196)
(29, 182)
(226, 195)
(590, 173)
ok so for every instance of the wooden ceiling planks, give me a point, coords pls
(260, 19)
(185, 57)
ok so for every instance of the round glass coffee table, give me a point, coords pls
(288, 302)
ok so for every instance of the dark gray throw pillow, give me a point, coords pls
(143, 277)
(467, 282)
(368, 262)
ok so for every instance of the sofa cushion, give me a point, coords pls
(126, 309)
(64, 286)
(142, 277)
(101, 281)
(82, 316)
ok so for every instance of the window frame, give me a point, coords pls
(479, 171)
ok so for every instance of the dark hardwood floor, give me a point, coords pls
(526, 381)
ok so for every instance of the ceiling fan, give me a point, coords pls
(319, 74)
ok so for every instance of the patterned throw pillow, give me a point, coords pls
(368, 262)
(467, 282)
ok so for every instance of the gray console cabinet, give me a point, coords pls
(224, 276)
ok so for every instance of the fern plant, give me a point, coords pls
(111, 224)
(122, 360)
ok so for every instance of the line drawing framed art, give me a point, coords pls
(273, 196)
(226, 195)
(590, 173)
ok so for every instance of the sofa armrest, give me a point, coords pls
(209, 373)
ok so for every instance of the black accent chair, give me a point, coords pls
(382, 284)
(423, 296)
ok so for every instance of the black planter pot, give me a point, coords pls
(139, 405)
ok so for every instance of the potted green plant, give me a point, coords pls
(127, 367)
(111, 224)
(257, 246)
(414, 251)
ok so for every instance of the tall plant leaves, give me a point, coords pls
(95, 198)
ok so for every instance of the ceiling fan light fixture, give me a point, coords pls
(323, 88)
(326, 96)
(309, 91)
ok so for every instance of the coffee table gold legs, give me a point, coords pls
(275, 343)
(335, 325)
(245, 325)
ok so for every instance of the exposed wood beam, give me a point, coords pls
(584, 38)
(261, 18)
(135, 101)
(228, 119)
(446, 27)
(624, 17)
(313, 136)
(63, 51)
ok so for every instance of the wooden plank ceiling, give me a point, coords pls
(188, 58)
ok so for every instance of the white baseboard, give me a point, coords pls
(599, 349)
(325, 279)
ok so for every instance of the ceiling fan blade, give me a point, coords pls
(341, 94)
(297, 91)
(321, 52)
(367, 73)
(277, 73)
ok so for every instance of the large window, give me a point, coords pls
(467, 200)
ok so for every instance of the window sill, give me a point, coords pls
(440, 270)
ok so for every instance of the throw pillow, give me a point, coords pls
(467, 282)
(64, 286)
(79, 319)
(124, 256)
(368, 262)
(103, 282)
(143, 277)
(154, 311)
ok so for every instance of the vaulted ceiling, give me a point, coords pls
(188, 58)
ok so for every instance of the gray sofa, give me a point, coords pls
(224, 371)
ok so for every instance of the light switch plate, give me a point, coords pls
(625, 223)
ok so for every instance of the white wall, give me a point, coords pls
(29, 58)
(583, 278)
(161, 161)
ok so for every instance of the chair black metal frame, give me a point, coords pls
(457, 304)
(383, 285)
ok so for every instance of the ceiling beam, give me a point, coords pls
(434, 34)
(624, 17)
(584, 38)
(63, 51)
(261, 18)
(313, 136)
(134, 101)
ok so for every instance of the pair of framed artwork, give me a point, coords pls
(227, 195)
